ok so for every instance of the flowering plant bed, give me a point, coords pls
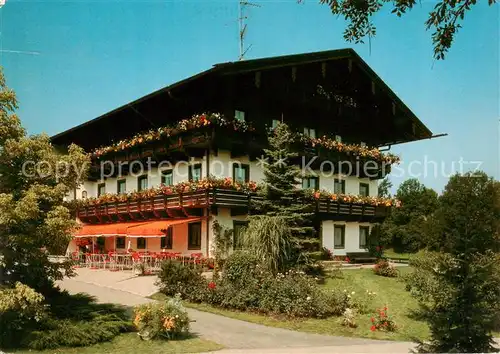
(333, 145)
(179, 188)
(353, 199)
(195, 122)
(167, 320)
(218, 120)
(382, 322)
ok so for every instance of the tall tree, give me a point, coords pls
(444, 19)
(34, 180)
(280, 194)
(459, 288)
(404, 229)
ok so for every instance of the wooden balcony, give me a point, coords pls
(163, 206)
(193, 204)
(329, 209)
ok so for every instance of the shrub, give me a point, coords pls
(167, 320)
(293, 294)
(71, 321)
(349, 318)
(385, 269)
(20, 309)
(240, 267)
(176, 278)
(362, 302)
(382, 322)
(337, 301)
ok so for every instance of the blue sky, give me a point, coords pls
(95, 56)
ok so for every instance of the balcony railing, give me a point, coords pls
(190, 203)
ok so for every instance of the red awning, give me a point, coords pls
(116, 229)
(157, 228)
(132, 229)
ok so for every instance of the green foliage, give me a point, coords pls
(280, 195)
(384, 188)
(383, 322)
(176, 278)
(405, 229)
(270, 240)
(444, 19)
(245, 285)
(385, 269)
(34, 179)
(62, 320)
(293, 294)
(223, 243)
(167, 320)
(458, 288)
(240, 267)
(20, 308)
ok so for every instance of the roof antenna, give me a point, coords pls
(242, 5)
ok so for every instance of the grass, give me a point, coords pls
(389, 292)
(390, 253)
(130, 343)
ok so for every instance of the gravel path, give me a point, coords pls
(238, 336)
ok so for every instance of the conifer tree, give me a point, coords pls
(281, 195)
(459, 287)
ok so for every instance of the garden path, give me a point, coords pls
(238, 336)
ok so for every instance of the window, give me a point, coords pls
(121, 187)
(101, 189)
(120, 242)
(238, 228)
(310, 183)
(142, 183)
(168, 240)
(339, 236)
(274, 123)
(239, 115)
(338, 138)
(339, 186)
(364, 189)
(194, 236)
(141, 243)
(195, 172)
(310, 132)
(241, 172)
(167, 178)
(364, 232)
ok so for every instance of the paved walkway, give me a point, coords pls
(238, 336)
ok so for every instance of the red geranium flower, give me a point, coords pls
(211, 285)
(373, 328)
(347, 260)
(372, 319)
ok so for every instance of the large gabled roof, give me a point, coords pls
(230, 68)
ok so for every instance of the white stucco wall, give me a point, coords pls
(220, 166)
(351, 236)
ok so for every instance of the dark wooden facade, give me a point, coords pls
(334, 92)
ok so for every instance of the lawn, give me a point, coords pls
(390, 292)
(390, 253)
(130, 343)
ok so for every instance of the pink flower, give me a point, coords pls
(212, 285)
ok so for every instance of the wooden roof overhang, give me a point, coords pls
(278, 86)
